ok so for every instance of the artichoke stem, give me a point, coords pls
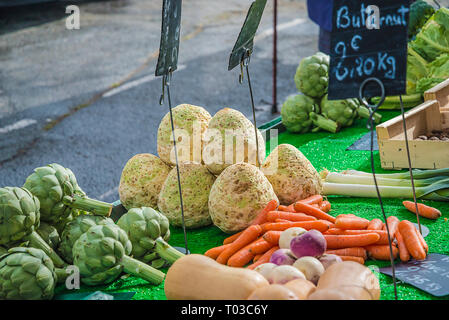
(167, 252)
(324, 123)
(37, 242)
(84, 203)
(363, 112)
(142, 270)
(61, 274)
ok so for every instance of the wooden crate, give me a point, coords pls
(420, 120)
(440, 93)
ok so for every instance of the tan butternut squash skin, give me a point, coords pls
(347, 279)
(197, 277)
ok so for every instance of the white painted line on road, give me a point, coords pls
(18, 125)
(108, 193)
(280, 27)
(134, 83)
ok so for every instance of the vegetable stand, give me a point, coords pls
(325, 151)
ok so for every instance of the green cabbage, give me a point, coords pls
(438, 72)
(433, 39)
(416, 69)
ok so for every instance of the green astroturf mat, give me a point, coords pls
(324, 150)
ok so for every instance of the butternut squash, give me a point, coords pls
(273, 292)
(347, 279)
(302, 288)
(197, 277)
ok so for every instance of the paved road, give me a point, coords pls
(87, 98)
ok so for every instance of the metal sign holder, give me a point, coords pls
(167, 63)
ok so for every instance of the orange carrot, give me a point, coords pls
(272, 237)
(256, 257)
(308, 225)
(404, 255)
(241, 257)
(354, 251)
(281, 220)
(382, 234)
(381, 252)
(248, 235)
(351, 258)
(260, 246)
(232, 238)
(423, 210)
(262, 216)
(375, 224)
(312, 211)
(351, 223)
(316, 205)
(317, 198)
(215, 252)
(264, 258)
(291, 208)
(283, 208)
(392, 222)
(290, 216)
(411, 239)
(423, 242)
(347, 241)
(325, 206)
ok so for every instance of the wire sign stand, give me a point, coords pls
(166, 65)
(241, 54)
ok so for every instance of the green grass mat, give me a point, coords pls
(328, 151)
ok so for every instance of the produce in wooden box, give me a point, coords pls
(26, 274)
(141, 181)
(196, 184)
(102, 253)
(59, 194)
(74, 229)
(197, 277)
(230, 139)
(190, 124)
(19, 219)
(148, 231)
(291, 174)
(347, 281)
(238, 195)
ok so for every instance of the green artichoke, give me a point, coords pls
(74, 229)
(295, 113)
(26, 274)
(19, 218)
(312, 75)
(102, 253)
(148, 231)
(49, 234)
(59, 194)
(343, 112)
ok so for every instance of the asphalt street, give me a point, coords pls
(88, 98)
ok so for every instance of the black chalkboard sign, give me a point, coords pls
(360, 50)
(430, 275)
(170, 33)
(246, 36)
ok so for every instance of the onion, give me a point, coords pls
(281, 257)
(312, 243)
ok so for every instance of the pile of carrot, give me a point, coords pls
(347, 235)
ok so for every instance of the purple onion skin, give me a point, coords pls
(312, 244)
(282, 257)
